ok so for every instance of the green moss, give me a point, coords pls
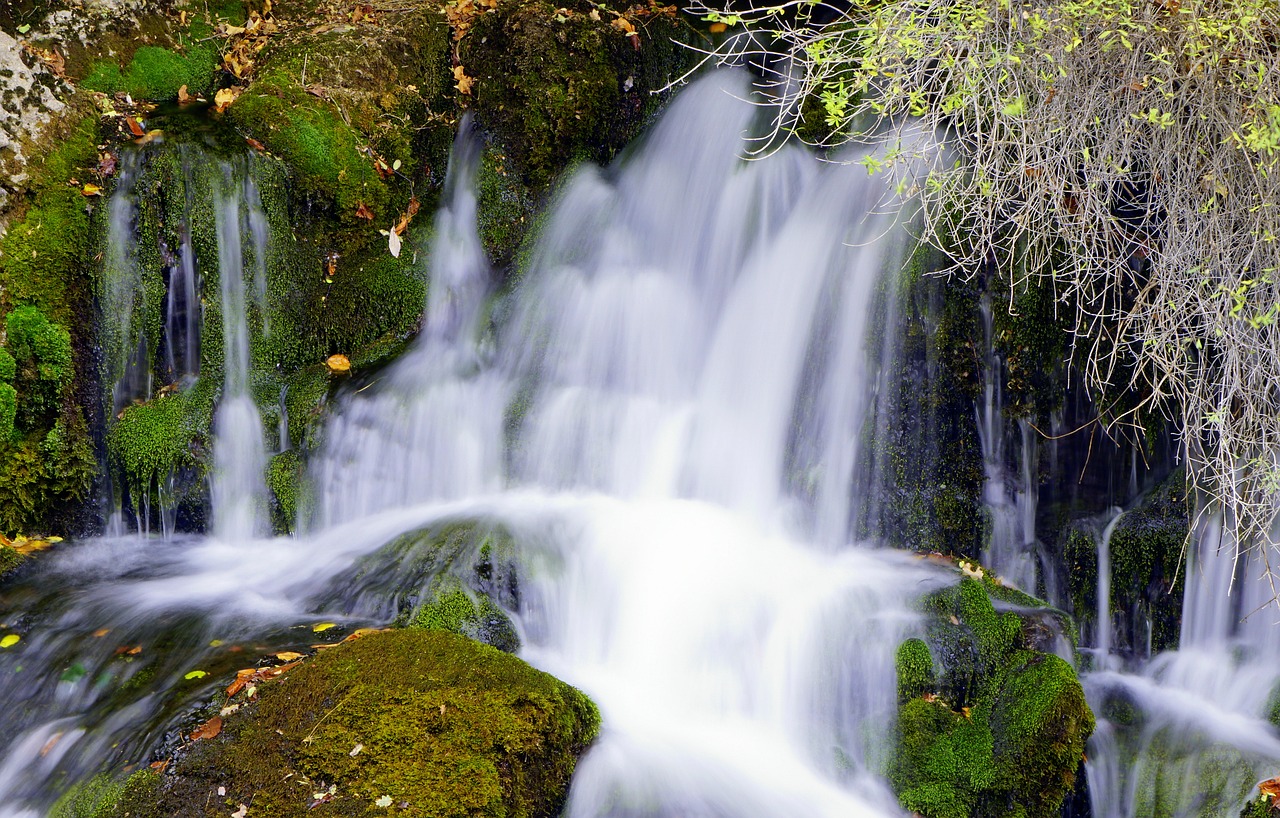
(8, 367)
(506, 208)
(8, 411)
(305, 397)
(915, 669)
(41, 351)
(284, 478)
(43, 256)
(1006, 736)
(94, 798)
(10, 559)
(556, 87)
(43, 476)
(450, 607)
(150, 440)
(314, 141)
(157, 73)
(448, 727)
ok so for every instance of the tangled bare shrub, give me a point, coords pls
(1129, 150)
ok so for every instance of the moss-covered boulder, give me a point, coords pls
(427, 722)
(450, 606)
(986, 725)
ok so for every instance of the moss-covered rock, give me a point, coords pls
(445, 726)
(284, 479)
(157, 73)
(915, 670)
(10, 559)
(559, 83)
(1002, 730)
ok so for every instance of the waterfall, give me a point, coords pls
(239, 453)
(1103, 645)
(183, 313)
(1190, 732)
(664, 413)
(1011, 550)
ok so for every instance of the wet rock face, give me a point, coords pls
(28, 101)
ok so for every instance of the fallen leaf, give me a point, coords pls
(149, 137)
(382, 801)
(355, 751)
(209, 729)
(183, 96)
(464, 82)
(101, 632)
(107, 164)
(10, 640)
(225, 96)
(159, 766)
(393, 244)
(91, 190)
(288, 655)
(255, 144)
(337, 364)
(363, 212)
(1270, 788)
(49, 745)
(196, 674)
(243, 812)
(134, 127)
(135, 650)
(323, 626)
(407, 216)
(623, 24)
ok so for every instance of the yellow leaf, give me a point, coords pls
(288, 656)
(196, 674)
(223, 99)
(464, 82)
(336, 364)
(10, 640)
(717, 28)
(323, 626)
(91, 190)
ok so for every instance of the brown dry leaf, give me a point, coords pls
(106, 164)
(225, 96)
(159, 766)
(148, 137)
(338, 364)
(407, 216)
(363, 212)
(183, 96)
(236, 686)
(50, 744)
(238, 62)
(464, 82)
(273, 672)
(623, 24)
(255, 144)
(209, 729)
(1270, 788)
(134, 127)
(133, 651)
(101, 632)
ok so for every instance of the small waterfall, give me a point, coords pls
(1011, 550)
(183, 313)
(239, 453)
(1104, 624)
(1190, 733)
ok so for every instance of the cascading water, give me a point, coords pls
(1191, 732)
(240, 457)
(649, 416)
(1011, 549)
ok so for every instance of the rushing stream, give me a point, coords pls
(666, 414)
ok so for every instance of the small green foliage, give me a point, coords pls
(447, 727)
(151, 441)
(10, 559)
(915, 669)
(41, 350)
(8, 367)
(157, 73)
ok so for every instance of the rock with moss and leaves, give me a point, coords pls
(427, 722)
(987, 725)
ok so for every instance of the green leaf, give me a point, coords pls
(10, 640)
(196, 674)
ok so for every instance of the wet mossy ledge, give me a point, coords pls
(988, 723)
(346, 119)
(424, 721)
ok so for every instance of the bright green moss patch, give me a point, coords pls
(284, 479)
(1005, 735)
(8, 367)
(451, 607)
(41, 351)
(447, 728)
(150, 440)
(95, 798)
(915, 669)
(157, 73)
(8, 411)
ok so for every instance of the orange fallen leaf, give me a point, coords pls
(717, 28)
(225, 96)
(101, 632)
(338, 364)
(363, 212)
(255, 144)
(183, 96)
(50, 744)
(288, 656)
(1270, 788)
(236, 686)
(159, 766)
(134, 128)
(464, 82)
(209, 729)
(407, 216)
